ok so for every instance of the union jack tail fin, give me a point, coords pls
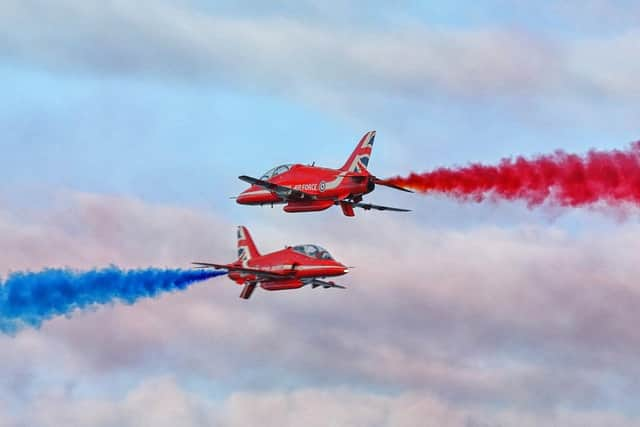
(246, 248)
(359, 159)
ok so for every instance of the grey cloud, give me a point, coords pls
(407, 409)
(302, 59)
(611, 65)
(158, 401)
(86, 230)
(163, 402)
(526, 316)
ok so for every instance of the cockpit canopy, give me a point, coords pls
(312, 251)
(275, 172)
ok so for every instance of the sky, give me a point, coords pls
(124, 126)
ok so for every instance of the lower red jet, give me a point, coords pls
(289, 268)
(304, 188)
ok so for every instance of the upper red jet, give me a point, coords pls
(289, 268)
(306, 188)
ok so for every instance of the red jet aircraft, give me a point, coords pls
(305, 188)
(289, 268)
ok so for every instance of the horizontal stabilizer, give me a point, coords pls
(369, 206)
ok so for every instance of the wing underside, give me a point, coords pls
(289, 194)
(285, 193)
(260, 274)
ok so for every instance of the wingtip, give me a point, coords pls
(198, 265)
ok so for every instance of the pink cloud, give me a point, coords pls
(526, 315)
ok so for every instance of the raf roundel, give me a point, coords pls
(310, 188)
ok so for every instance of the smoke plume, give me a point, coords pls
(29, 298)
(609, 177)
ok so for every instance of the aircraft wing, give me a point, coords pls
(280, 190)
(369, 206)
(257, 272)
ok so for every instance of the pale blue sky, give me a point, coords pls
(166, 103)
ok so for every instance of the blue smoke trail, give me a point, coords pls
(29, 298)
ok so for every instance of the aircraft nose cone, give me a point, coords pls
(344, 268)
(253, 195)
(242, 197)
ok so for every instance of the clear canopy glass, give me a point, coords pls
(312, 251)
(275, 172)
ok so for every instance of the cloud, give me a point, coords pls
(103, 230)
(349, 408)
(529, 317)
(608, 66)
(161, 401)
(297, 57)
(158, 401)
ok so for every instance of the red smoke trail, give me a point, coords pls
(559, 179)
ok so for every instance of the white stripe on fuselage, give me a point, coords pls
(256, 192)
(317, 267)
(289, 267)
(335, 183)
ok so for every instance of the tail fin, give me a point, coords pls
(246, 248)
(359, 159)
